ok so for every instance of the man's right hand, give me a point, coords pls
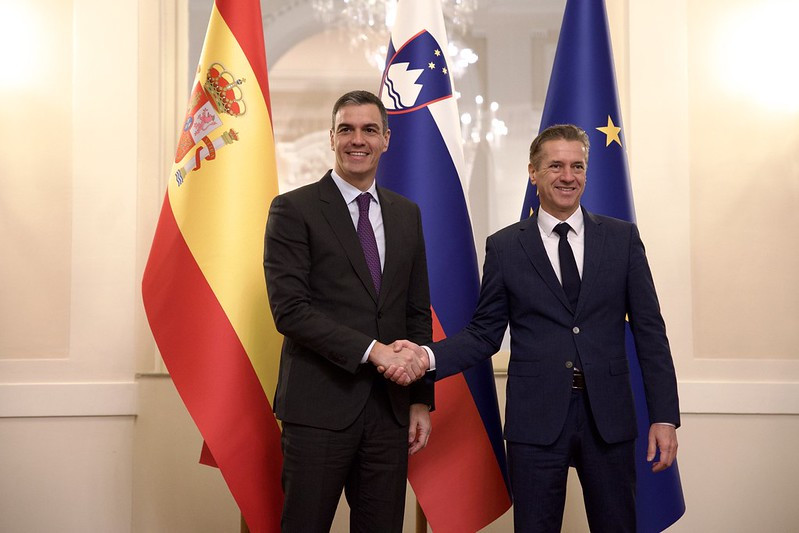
(394, 372)
(405, 365)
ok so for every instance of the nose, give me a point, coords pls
(357, 137)
(568, 174)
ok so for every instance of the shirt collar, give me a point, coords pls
(547, 222)
(351, 192)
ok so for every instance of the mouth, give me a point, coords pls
(357, 154)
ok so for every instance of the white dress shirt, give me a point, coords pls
(576, 237)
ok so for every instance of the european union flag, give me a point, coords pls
(582, 91)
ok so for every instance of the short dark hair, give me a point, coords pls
(566, 132)
(360, 98)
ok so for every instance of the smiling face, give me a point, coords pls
(358, 140)
(559, 176)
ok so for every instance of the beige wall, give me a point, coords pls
(68, 293)
(737, 472)
(85, 446)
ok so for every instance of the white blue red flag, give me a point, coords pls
(582, 91)
(460, 479)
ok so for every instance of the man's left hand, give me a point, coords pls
(420, 427)
(663, 438)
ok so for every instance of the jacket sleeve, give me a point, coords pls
(482, 338)
(287, 267)
(649, 333)
(419, 319)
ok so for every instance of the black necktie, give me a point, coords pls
(569, 275)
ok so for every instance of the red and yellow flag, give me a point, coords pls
(203, 288)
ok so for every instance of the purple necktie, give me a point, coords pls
(367, 237)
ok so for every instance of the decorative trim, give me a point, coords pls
(739, 398)
(23, 400)
(719, 397)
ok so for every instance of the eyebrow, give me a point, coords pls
(368, 125)
(562, 160)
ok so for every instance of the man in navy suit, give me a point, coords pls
(569, 399)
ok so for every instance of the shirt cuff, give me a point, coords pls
(432, 358)
(664, 424)
(365, 357)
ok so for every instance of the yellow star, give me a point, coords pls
(431, 65)
(437, 53)
(444, 70)
(612, 132)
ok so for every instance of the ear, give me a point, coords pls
(531, 173)
(387, 137)
(332, 146)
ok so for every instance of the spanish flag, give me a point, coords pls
(203, 288)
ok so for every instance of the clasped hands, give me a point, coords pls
(403, 362)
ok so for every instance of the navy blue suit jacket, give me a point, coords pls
(520, 288)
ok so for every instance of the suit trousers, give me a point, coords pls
(368, 459)
(538, 476)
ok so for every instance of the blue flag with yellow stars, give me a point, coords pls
(582, 91)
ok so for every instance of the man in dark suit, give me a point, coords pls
(569, 399)
(346, 272)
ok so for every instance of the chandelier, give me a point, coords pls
(369, 22)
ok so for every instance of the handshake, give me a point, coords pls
(403, 362)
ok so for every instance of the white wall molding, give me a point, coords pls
(697, 397)
(727, 398)
(25, 400)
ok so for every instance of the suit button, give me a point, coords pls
(379, 314)
(569, 364)
(576, 330)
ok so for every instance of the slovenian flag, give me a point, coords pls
(582, 91)
(460, 479)
(203, 287)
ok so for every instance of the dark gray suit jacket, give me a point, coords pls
(520, 288)
(323, 301)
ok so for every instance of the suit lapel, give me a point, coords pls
(337, 214)
(391, 231)
(592, 252)
(530, 239)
